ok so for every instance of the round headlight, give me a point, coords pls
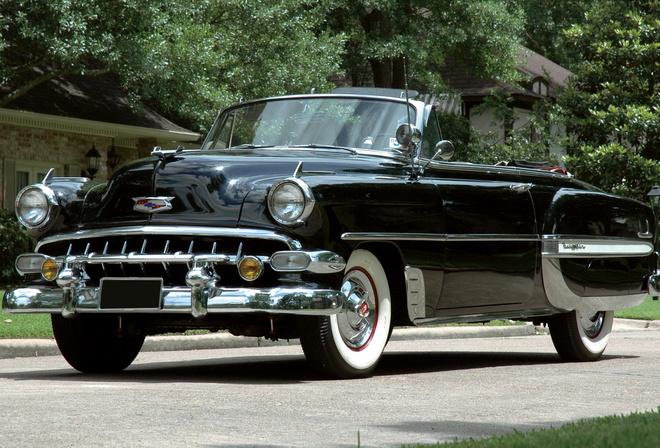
(35, 206)
(290, 201)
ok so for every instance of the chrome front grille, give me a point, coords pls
(170, 257)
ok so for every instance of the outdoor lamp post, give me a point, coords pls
(93, 161)
(113, 157)
(654, 199)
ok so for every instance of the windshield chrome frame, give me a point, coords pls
(419, 107)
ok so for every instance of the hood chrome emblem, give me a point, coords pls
(153, 204)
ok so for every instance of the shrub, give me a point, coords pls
(615, 169)
(14, 240)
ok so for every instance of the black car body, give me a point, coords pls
(329, 218)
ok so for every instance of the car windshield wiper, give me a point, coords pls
(317, 146)
(251, 146)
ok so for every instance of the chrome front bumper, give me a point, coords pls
(303, 301)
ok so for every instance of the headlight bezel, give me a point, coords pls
(50, 209)
(302, 204)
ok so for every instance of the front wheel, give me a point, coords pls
(350, 344)
(93, 343)
(580, 335)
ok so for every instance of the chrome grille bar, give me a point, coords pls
(137, 258)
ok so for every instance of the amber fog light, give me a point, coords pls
(250, 268)
(49, 269)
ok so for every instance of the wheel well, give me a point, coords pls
(391, 260)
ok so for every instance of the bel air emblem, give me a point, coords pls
(153, 205)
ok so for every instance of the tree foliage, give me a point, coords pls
(479, 36)
(616, 95)
(545, 23)
(189, 58)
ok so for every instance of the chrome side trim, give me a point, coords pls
(492, 237)
(560, 296)
(299, 301)
(564, 246)
(380, 236)
(442, 237)
(172, 231)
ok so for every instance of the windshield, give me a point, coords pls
(341, 122)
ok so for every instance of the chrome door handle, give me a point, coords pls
(520, 188)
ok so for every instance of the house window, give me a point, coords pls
(19, 174)
(29, 172)
(540, 87)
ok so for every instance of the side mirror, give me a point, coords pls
(444, 149)
(408, 136)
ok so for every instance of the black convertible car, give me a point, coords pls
(330, 218)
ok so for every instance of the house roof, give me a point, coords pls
(95, 98)
(530, 64)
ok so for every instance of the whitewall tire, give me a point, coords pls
(581, 335)
(351, 343)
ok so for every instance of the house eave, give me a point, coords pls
(90, 127)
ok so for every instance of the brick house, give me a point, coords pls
(56, 124)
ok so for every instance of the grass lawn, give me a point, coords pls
(648, 310)
(639, 430)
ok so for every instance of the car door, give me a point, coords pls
(491, 252)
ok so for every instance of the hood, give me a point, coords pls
(208, 188)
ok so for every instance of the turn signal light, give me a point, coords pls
(250, 268)
(49, 269)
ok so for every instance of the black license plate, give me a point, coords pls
(131, 293)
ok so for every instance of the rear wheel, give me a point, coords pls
(350, 344)
(94, 343)
(580, 335)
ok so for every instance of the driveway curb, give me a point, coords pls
(19, 348)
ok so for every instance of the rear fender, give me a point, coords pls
(597, 251)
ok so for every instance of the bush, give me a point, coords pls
(615, 169)
(14, 241)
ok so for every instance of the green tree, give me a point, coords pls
(479, 36)
(231, 50)
(616, 95)
(189, 58)
(545, 24)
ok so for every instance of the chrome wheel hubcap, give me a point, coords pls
(357, 320)
(592, 324)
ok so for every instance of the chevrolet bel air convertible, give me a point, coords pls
(330, 218)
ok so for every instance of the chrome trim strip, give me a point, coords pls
(379, 236)
(318, 262)
(492, 237)
(560, 296)
(560, 246)
(299, 301)
(172, 230)
(136, 258)
(454, 237)
(554, 246)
